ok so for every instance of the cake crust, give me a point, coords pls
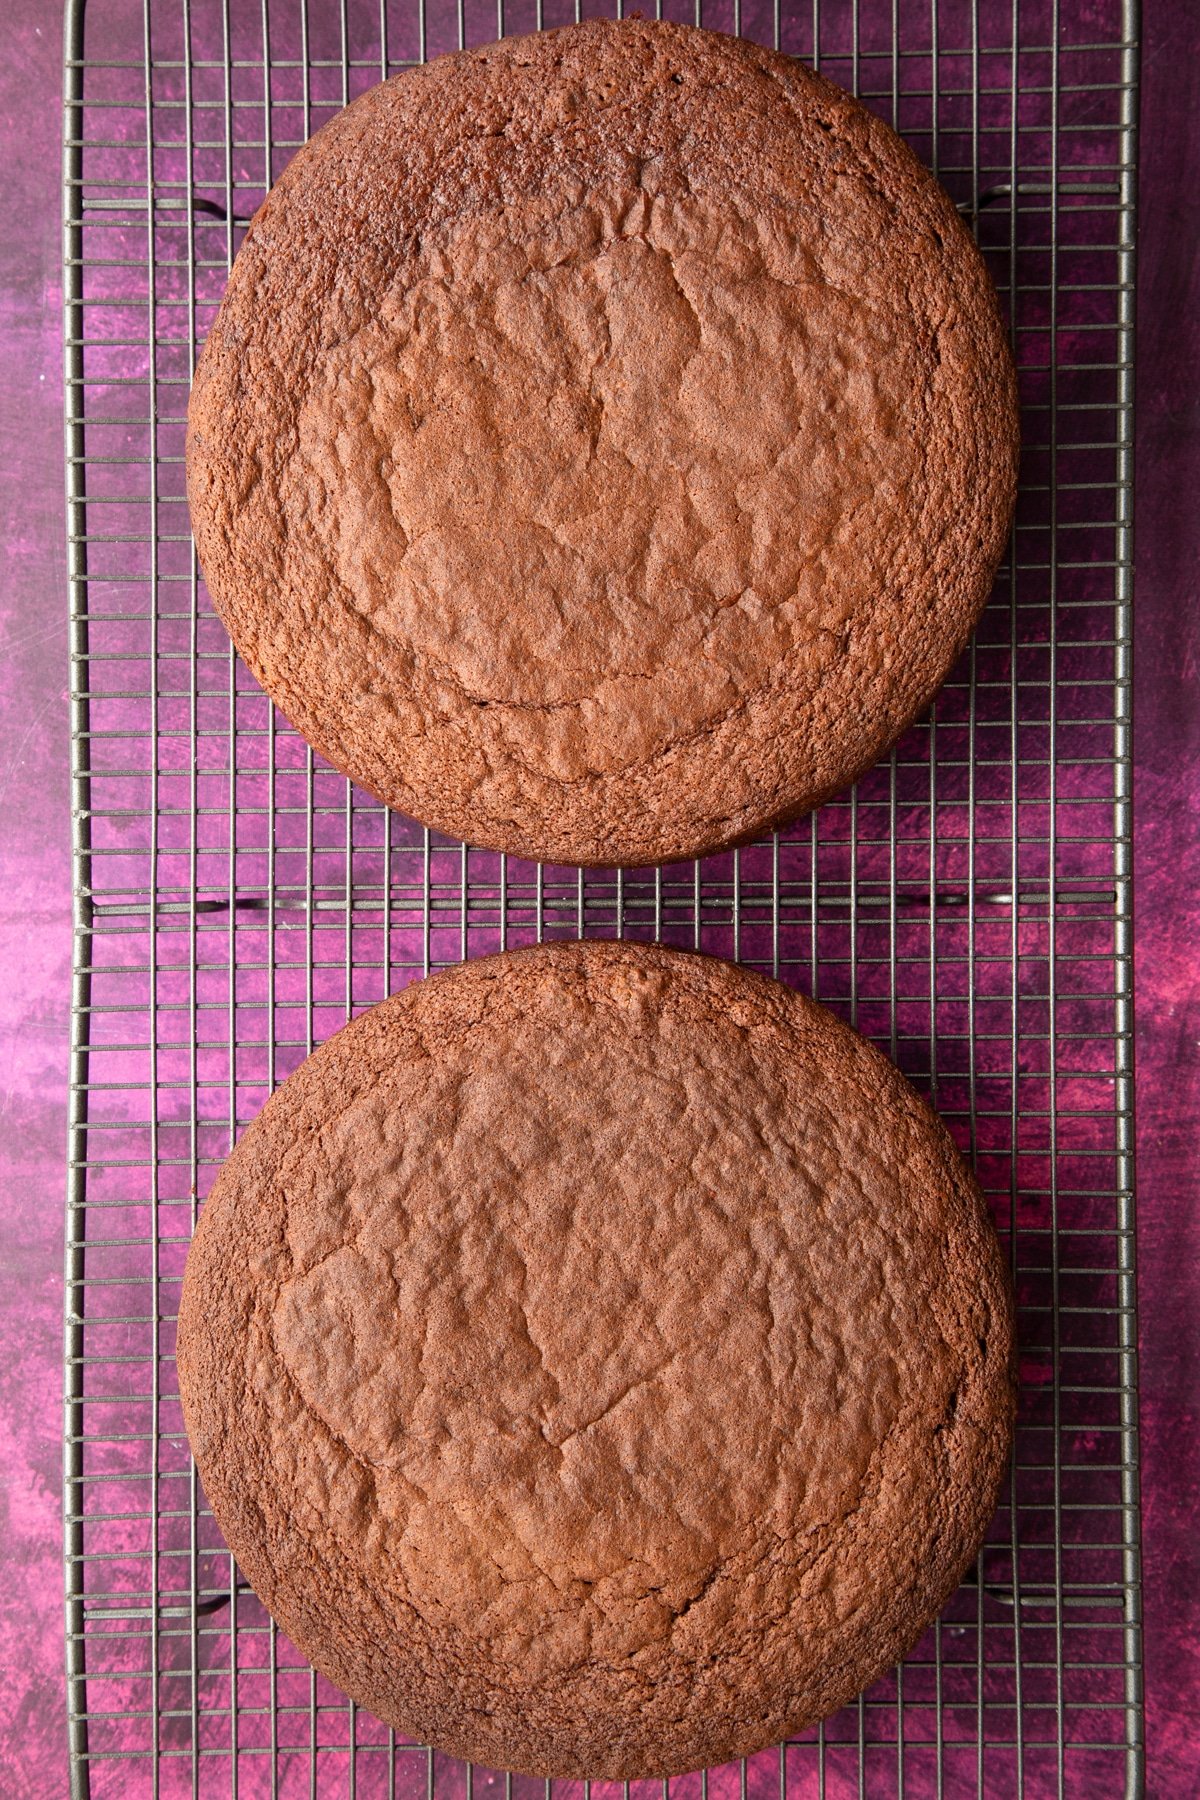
(606, 442)
(599, 1360)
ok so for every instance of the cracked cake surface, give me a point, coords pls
(598, 1359)
(606, 441)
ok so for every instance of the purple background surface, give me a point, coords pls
(34, 899)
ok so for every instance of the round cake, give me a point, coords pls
(598, 1358)
(606, 442)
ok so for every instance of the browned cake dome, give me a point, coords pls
(598, 1359)
(606, 442)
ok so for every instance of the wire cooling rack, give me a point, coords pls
(968, 906)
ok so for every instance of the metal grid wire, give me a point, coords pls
(968, 906)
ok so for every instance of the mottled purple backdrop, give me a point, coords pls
(34, 929)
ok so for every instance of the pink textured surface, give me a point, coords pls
(34, 929)
(35, 933)
(1167, 862)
